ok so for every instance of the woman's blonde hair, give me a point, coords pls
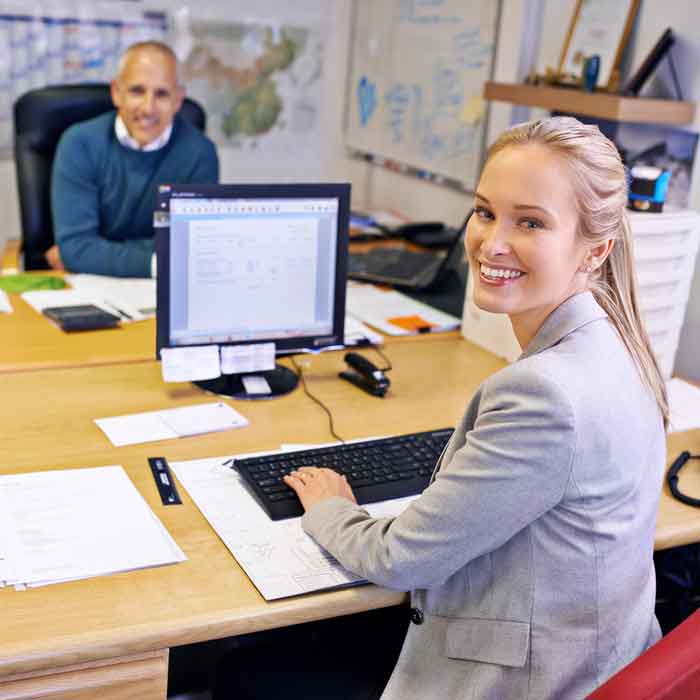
(600, 186)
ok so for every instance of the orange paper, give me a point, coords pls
(411, 323)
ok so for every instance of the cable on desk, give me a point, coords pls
(302, 378)
(367, 343)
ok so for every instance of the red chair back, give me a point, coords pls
(670, 670)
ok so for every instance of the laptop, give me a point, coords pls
(409, 269)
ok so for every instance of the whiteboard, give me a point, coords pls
(417, 75)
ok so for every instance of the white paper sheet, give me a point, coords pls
(78, 523)
(684, 405)
(204, 418)
(47, 298)
(133, 296)
(357, 332)
(170, 423)
(238, 359)
(278, 557)
(190, 364)
(377, 306)
(5, 306)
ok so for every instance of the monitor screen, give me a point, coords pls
(242, 264)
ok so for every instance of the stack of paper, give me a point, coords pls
(394, 313)
(278, 556)
(77, 523)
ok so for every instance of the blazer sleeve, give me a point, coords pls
(514, 466)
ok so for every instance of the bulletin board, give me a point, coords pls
(417, 74)
(72, 41)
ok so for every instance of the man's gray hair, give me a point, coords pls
(150, 45)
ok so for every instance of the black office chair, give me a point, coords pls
(40, 117)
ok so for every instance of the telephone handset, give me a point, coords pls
(365, 375)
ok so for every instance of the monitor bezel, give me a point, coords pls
(284, 346)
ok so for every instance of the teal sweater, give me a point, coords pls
(103, 194)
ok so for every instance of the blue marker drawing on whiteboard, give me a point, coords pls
(366, 99)
(398, 99)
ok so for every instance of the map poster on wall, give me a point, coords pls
(416, 83)
(260, 84)
(53, 43)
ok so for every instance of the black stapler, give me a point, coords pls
(365, 375)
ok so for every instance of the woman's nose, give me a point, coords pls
(495, 240)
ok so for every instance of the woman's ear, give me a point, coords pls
(597, 255)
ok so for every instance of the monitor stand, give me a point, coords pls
(281, 380)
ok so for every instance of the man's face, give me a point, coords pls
(146, 94)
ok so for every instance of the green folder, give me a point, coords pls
(24, 282)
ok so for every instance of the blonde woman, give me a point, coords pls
(529, 556)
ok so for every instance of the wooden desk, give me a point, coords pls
(110, 636)
(30, 341)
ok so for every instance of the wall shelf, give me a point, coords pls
(598, 104)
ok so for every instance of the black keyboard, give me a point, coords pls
(394, 265)
(377, 470)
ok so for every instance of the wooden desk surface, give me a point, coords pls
(47, 419)
(30, 341)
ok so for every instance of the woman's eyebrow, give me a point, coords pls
(519, 207)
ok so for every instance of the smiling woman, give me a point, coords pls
(529, 555)
(559, 190)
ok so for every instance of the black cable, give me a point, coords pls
(384, 357)
(366, 343)
(672, 479)
(300, 374)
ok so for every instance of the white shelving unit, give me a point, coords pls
(665, 248)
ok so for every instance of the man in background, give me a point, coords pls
(107, 169)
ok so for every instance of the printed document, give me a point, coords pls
(77, 523)
(278, 556)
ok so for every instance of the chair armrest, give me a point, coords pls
(10, 261)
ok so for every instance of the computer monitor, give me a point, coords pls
(245, 264)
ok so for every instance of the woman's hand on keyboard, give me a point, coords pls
(313, 484)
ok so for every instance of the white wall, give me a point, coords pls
(531, 35)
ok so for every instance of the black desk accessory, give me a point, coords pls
(84, 317)
(164, 481)
(650, 63)
(672, 478)
(365, 375)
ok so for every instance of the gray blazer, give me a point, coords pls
(530, 553)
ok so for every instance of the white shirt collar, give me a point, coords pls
(124, 138)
